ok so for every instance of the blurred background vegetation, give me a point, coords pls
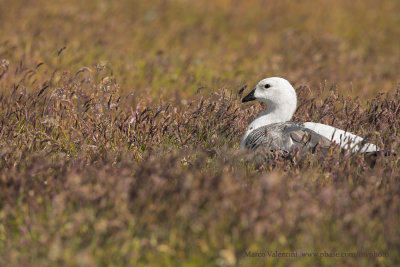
(120, 123)
(167, 47)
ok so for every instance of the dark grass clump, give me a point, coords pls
(90, 175)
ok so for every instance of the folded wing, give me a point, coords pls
(345, 139)
(288, 137)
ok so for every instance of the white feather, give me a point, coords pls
(345, 139)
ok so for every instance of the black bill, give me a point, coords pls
(249, 97)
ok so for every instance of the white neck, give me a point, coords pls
(273, 114)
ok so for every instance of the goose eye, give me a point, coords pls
(267, 86)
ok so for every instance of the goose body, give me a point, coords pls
(274, 129)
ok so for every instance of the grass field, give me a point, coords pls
(121, 122)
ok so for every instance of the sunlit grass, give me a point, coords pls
(120, 124)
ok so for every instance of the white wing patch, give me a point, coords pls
(346, 140)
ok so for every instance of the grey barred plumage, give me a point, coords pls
(287, 137)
